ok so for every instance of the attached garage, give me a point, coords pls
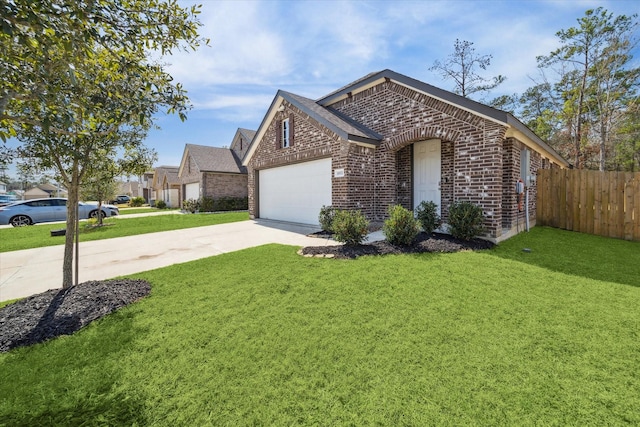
(192, 191)
(295, 193)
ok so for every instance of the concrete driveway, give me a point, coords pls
(31, 271)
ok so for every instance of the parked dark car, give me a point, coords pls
(120, 200)
(30, 212)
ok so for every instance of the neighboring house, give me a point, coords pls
(166, 186)
(130, 188)
(214, 172)
(44, 190)
(147, 185)
(389, 139)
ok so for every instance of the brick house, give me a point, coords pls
(215, 172)
(389, 139)
(165, 186)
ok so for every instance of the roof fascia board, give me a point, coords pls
(412, 84)
(365, 142)
(362, 86)
(271, 112)
(324, 122)
(543, 149)
(182, 162)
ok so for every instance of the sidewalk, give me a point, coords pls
(31, 271)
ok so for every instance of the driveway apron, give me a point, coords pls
(31, 271)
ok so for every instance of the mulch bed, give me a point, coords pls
(64, 311)
(424, 242)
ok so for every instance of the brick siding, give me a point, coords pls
(218, 185)
(478, 164)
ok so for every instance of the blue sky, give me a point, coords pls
(314, 47)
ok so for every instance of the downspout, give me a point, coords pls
(526, 206)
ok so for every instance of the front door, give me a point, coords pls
(426, 172)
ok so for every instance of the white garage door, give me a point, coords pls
(295, 193)
(192, 191)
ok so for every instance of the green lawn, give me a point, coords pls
(266, 337)
(129, 211)
(13, 239)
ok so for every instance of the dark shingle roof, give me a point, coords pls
(215, 159)
(344, 126)
(170, 171)
(248, 134)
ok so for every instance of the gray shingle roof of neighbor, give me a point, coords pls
(344, 126)
(172, 175)
(247, 133)
(215, 159)
(161, 171)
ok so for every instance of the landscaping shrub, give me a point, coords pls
(350, 227)
(401, 228)
(136, 202)
(327, 214)
(191, 205)
(160, 204)
(226, 203)
(231, 204)
(207, 204)
(465, 220)
(427, 215)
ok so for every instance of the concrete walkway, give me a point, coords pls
(31, 271)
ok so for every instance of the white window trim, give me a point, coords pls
(285, 133)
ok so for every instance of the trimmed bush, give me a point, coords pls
(327, 213)
(465, 220)
(401, 228)
(427, 215)
(350, 227)
(223, 204)
(191, 205)
(136, 202)
(231, 204)
(160, 204)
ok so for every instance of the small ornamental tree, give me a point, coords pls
(77, 77)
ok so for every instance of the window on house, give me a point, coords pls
(285, 133)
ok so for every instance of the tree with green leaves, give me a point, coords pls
(595, 79)
(79, 88)
(461, 66)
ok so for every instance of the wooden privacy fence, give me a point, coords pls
(601, 203)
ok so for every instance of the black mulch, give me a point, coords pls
(64, 311)
(434, 242)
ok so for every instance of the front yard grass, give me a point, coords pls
(129, 211)
(266, 337)
(13, 239)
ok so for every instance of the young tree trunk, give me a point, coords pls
(72, 203)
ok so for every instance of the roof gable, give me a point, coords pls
(515, 127)
(160, 172)
(345, 127)
(211, 159)
(351, 130)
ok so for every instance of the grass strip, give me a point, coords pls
(13, 239)
(266, 337)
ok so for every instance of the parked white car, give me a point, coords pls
(34, 211)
